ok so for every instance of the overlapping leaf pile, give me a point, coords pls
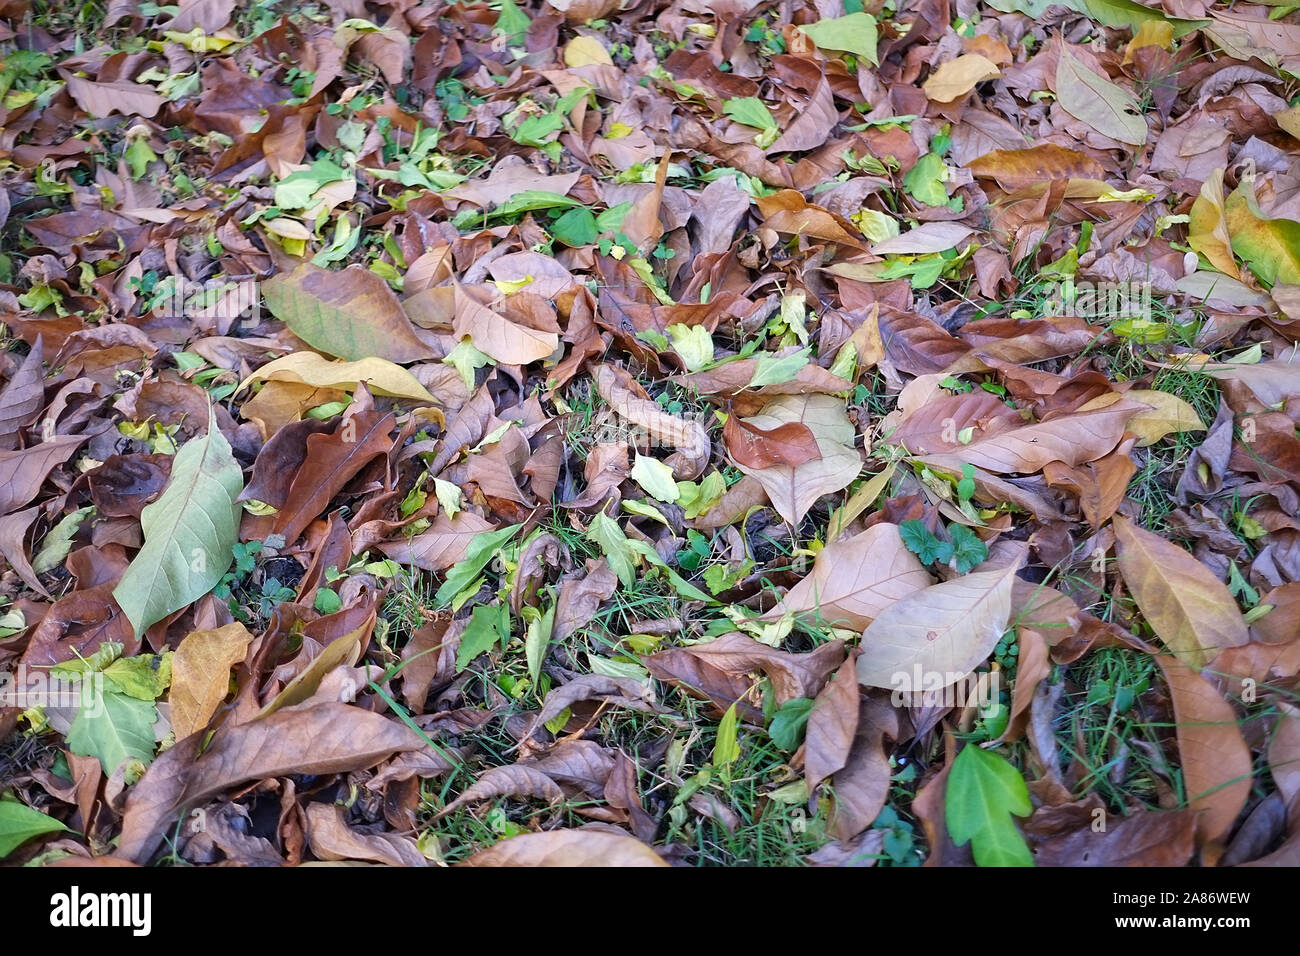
(574, 432)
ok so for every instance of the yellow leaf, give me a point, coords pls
(1151, 33)
(201, 675)
(1207, 228)
(1168, 413)
(586, 51)
(309, 368)
(958, 77)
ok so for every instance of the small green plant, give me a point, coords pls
(962, 552)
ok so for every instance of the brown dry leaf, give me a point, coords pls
(1013, 169)
(862, 785)
(201, 675)
(332, 839)
(853, 580)
(793, 489)
(1216, 763)
(512, 780)
(507, 339)
(318, 739)
(792, 675)
(101, 99)
(1284, 752)
(789, 213)
(791, 444)
(1074, 439)
(13, 547)
(942, 632)
(332, 461)
(23, 472)
(580, 598)
(814, 122)
(22, 397)
(1100, 485)
(441, 545)
(628, 400)
(1146, 838)
(613, 691)
(832, 725)
(1189, 608)
(568, 848)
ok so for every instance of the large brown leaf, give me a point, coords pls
(1213, 756)
(22, 397)
(853, 580)
(23, 472)
(1074, 439)
(793, 489)
(201, 675)
(320, 739)
(941, 633)
(862, 785)
(331, 462)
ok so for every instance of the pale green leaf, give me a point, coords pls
(655, 478)
(189, 532)
(116, 729)
(855, 33)
(1105, 106)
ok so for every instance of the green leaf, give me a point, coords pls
(655, 478)
(693, 343)
(483, 630)
(138, 156)
(1270, 247)
(612, 218)
(854, 34)
(189, 532)
(327, 601)
(967, 548)
(1125, 13)
(616, 547)
(120, 728)
(777, 371)
(537, 640)
(787, 727)
(726, 749)
(983, 791)
(577, 227)
(57, 544)
(925, 181)
(19, 823)
(144, 677)
(918, 539)
(482, 549)
(751, 111)
(296, 189)
(513, 23)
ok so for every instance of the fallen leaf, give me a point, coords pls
(935, 637)
(1188, 607)
(351, 314)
